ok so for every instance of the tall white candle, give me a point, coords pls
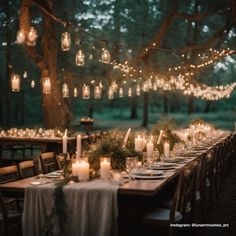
(150, 148)
(160, 136)
(64, 142)
(75, 168)
(83, 170)
(105, 165)
(166, 149)
(78, 147)
(126, 137)
(138, 143)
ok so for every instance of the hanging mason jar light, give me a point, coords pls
(75, 92)
(97, 92)
(85, 92)
(110, 93)
(32, 37)
(47, 85)
(20, 36)
(79, 58)
(65, 41)
(138, 90)
(65, 90)
(130, 92)
(32, 84)
(154, 86)
(15, 82)
(106, 57)
(121, 92)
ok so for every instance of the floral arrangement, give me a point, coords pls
(111, 145)
(169, 135)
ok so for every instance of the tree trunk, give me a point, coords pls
(208, 106)
(145, 109)
(8, 70)
(134, 114)
(56, 111)
(190, 105)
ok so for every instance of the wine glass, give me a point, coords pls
(131, 164)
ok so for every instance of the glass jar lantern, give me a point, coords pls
(47, 86)
(65, 90)
(121, 92)
(97, 92)
(65, 41)
(20, 36)
(106, 57)
(32, 37)
(15, 82)
(110, 93)
(86, 92)
(80, 58)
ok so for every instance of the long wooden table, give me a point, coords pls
(137, 187)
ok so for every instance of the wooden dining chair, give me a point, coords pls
(48, 162)
(180, 211)
(27, 169)
(10, 211)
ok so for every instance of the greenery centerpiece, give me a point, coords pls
(112, 145)
(168, 134)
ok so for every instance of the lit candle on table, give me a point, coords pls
(75, 168)
(160, 136)
(78, 147)
(105, 165)
(83, 170)
(138, 143)
(166, 149)
(150, 148)
(126, 137)
(64, 142)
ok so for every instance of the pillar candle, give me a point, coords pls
(150, 148)
(166, 149)
(105, 165)
(64, 142)
(78, 147)
(75, 168)
(138, 143)
(83, 170)
(160, 136)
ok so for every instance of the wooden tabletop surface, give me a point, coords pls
(136, 187)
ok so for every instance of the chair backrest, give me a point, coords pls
(61, 158)
(48, 162)
(183, 197)
(27, 169)
(9, 173)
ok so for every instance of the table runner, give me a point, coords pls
(91, 209)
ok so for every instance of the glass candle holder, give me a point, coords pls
(65, 41)
(80, 58)
(65, 90)
(32, 37)
(97, 92)
(83, 170)
(47, 85)
(20, 37)
(121, 92)
(138, 142)
(15, 82)
(86, 92)
(110, 93)
(106, 57)
(105, 167)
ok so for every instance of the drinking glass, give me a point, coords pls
(131, 164)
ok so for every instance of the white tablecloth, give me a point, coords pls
(91, 209)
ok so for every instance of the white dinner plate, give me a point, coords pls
(148, 172)
(35, 183)
(144, 177)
